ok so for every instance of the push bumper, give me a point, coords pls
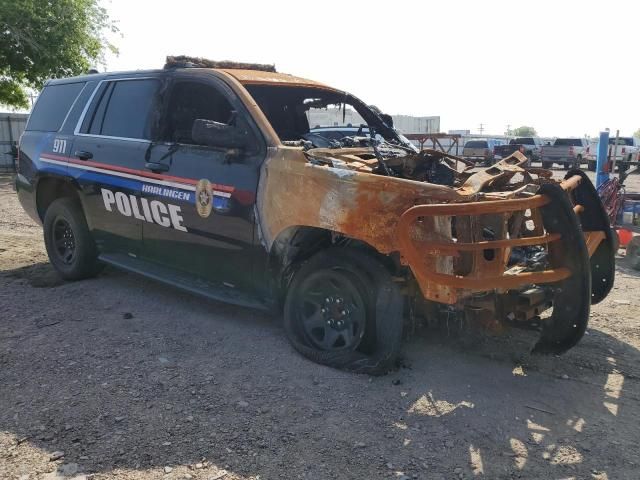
(567, 219)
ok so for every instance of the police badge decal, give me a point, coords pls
(204, 198)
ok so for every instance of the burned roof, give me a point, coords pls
(253, 77)
(187, 61)
(245, 73)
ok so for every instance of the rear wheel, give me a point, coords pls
(69, 244)
(343, 310)
(547, 164)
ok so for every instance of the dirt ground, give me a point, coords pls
(121, 377)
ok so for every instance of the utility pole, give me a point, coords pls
(481, 128)
(508, 129)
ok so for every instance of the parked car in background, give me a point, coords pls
(530, 146)
(481, 151)
(568, 152)
(627, 149)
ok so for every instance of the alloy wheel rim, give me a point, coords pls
(64, 241)
(332, 312)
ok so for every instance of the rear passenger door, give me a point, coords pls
(108, 159)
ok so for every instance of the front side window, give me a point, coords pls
(124, 109)
(190, 101)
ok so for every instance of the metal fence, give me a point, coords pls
(11, 127)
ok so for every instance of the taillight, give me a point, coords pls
(494, 150)
(541, 150)
(588, 149)
(623, 150)
(521, 149)
(570, 150)
(486, 152)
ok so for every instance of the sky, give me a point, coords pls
(567, 68)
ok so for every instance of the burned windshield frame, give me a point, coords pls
(278, 103)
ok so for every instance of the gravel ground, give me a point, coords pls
(120, 377)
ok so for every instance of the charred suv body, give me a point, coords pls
(208, 177)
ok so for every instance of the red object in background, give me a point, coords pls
(625, 236)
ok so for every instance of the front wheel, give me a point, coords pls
(69, 244)
(343, 310)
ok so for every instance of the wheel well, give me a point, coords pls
(296, 244)
(50, 189)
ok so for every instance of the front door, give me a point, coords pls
(210, 192)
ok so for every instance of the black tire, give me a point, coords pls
(69, 244)
(591, 165)
(547, 164)
(633, 253)
(375, 342)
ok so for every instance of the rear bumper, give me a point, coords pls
(567, 220)
(571, 160)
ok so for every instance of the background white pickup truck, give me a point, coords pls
(568, 152)
(628, 148)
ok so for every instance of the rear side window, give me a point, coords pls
(628, 141)
(124, 109)
(476, 144)
(52, 106)
(568, 142)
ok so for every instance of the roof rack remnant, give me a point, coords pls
(181, 61)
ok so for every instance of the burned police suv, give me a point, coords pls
(207, 176)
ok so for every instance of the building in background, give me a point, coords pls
(410, 124)
(333, 117)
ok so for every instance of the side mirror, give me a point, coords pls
(216, 134)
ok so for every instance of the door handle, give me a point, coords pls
(83, 154)
(156, 167)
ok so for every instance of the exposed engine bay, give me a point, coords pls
(508, 178)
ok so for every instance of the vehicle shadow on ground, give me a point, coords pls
(624, 266)
(124, 375)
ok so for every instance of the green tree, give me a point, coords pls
(524, 131)
(41, 39)
(637, 133)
